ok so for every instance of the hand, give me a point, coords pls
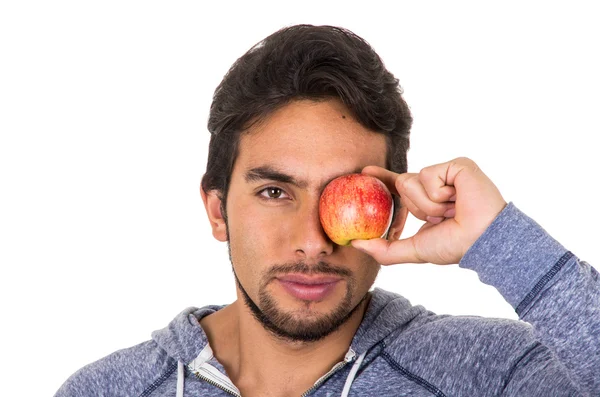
(456, 200)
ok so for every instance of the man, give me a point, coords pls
(304, 106)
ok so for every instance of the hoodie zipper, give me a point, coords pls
(216, 383)
(347, 358)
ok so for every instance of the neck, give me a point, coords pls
(255, 359)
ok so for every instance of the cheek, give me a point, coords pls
(256, 241)
(366, 270)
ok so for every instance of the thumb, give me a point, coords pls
(389, 252)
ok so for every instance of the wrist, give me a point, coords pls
(513, 254)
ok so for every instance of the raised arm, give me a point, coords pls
(468, 222)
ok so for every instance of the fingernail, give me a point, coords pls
(434, 219)
(450, 213)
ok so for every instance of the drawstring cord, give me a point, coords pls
(180, 377)
(352, 374)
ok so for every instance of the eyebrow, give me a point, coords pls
(267, 172)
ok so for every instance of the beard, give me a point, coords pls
(305, 325)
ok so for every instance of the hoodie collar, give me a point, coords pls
(183, 339)
(388, 313)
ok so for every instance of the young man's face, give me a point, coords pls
(277, 245)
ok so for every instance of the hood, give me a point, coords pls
(388, 313)
(183, 339)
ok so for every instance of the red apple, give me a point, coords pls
(355, 206)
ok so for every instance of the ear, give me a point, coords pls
(397, 226)
(212, 204)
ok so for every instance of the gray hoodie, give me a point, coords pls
(405, 350)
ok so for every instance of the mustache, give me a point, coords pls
(303, 268)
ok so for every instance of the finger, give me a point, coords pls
(386, 176)
(435, 219)
(413, 189)
(434, 182)
(463, 174)
(436, 187)
(412, 208)
(389, 252)
(451, 213)
(408, 185)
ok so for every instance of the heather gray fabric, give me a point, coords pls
(553, 351)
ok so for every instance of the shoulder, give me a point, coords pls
(450, 349)
(473, 356)
(126, 372)
(467, 335)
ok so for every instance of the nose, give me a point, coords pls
(309, 238)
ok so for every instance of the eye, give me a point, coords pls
(273, 193)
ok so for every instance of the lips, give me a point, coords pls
(308, 288)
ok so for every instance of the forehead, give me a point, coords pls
(307, 138)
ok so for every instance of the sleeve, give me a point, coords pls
(549, 287)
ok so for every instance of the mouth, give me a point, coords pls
(309, 288)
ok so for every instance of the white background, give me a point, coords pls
(103, 111)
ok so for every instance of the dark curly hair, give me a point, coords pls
(304, 62)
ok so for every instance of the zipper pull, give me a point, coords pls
(350, 355)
